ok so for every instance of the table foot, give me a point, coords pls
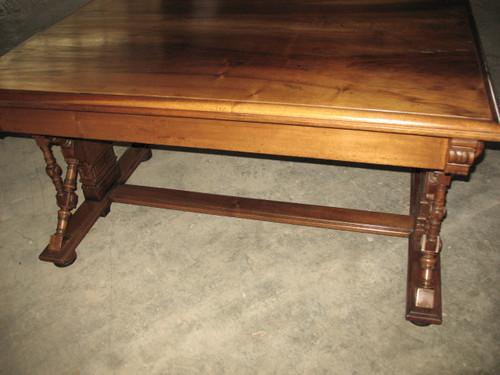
(147, 155)
(106, 212)
(66, 264)
(80, 224)
(420, 324)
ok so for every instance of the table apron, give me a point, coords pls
(406, 150)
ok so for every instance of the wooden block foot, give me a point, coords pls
(420, 324)
(106, 212)
(66, 264)
(147, 155)
(79, 225)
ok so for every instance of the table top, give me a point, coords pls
(392, 66)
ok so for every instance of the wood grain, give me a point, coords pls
(253, 58)
(257, 209)
(404, 150)
(393, 82)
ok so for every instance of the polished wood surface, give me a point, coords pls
(351, 64)
(257, 209)
(399, 83)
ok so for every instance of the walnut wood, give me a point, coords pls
(415, 313)
(98, 168)
(424, 276)
(390, 66)
(461, 155)
(53, 169)
(391, 82)
(130, 160)
(89, 211)
(66, 197)
(281, 212)
(404, 150)
(81, 222)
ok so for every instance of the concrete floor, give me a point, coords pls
(166, 292)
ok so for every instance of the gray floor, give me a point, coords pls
(166, 292)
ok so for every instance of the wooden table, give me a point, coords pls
(398, 83)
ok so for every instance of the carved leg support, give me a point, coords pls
(424, 278)
(96, 163)
(65, 191)
(430, 242)
(428, 195)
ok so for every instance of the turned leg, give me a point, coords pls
(99, 172)
(428, 193)
(424, 279)
(65, 191)
(430, 243)
(97, 165)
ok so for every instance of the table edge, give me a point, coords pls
(272, 113)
